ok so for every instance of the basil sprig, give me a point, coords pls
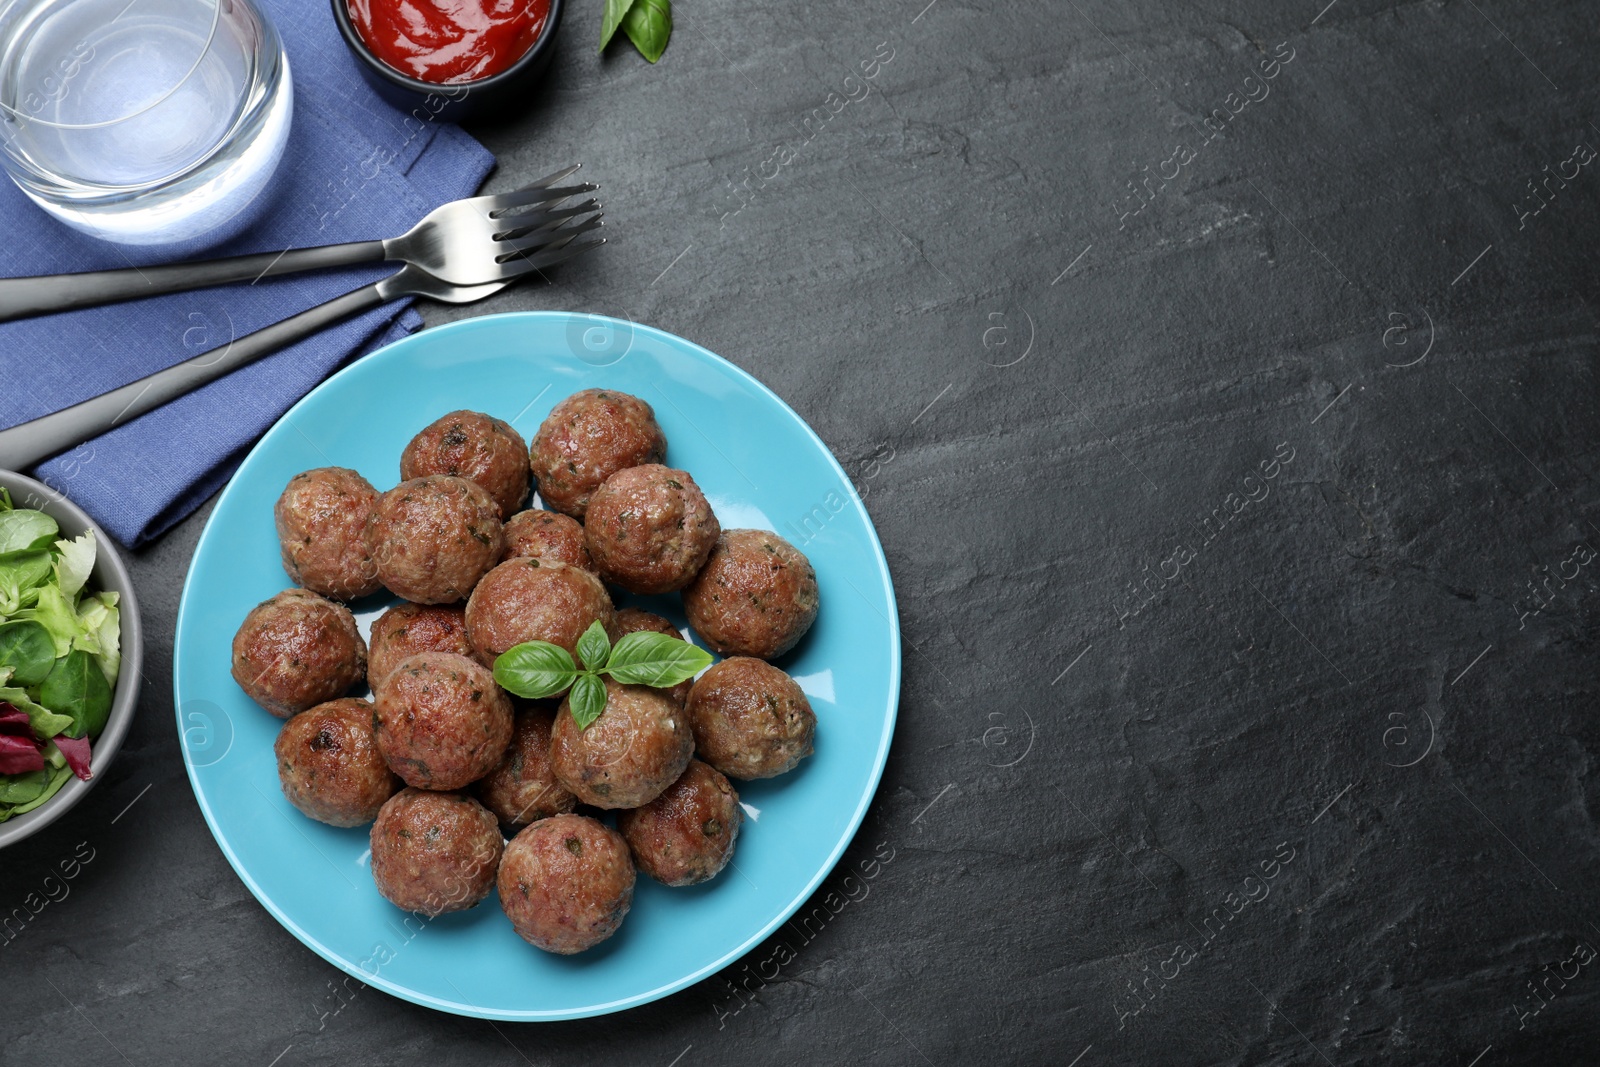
(648, 24)
(538, 669)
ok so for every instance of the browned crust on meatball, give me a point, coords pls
(566, 883)
(432, 538)
(320, 516)
(406, 629)
(298, 650)
(474, 446)
(756, 595)
(638, 746)
(442, 720)
(633, 620)
(639, 621)
(750, 719)
(329, 764)
(434, 853)
(685, 836)
(586, 439)
(541, 534)
(534, 600)
(650, 529)
(522, 789)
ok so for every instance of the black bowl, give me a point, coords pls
(431, 101)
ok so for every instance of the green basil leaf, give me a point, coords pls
(593, 647)
(648, 25)
(612, 18)
(587, 699)
(26, 529)
(535, 670)
(27, 648)
(656, 660)
(76, 687)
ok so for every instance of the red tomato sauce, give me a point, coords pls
(449, 41)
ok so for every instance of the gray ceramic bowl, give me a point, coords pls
(109, 574)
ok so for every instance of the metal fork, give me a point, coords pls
(457, 242)
(29, 443)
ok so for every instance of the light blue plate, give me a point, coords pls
(759, 465)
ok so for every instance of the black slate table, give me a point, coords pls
(1220, 378)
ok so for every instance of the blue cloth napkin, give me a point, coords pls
(354, 169)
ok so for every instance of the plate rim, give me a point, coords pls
(734, 954)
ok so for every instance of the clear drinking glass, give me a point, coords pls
(141, 121)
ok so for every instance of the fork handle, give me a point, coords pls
(23, 297)
(29, 443)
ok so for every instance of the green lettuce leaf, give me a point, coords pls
(26, 529)
(100, 635)
(76, 687)
(21, 788)
(22, 574)
(58, 615)
(74, 563)
(58, 778)
(45, 722)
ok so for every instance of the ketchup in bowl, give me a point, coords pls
(449, 41)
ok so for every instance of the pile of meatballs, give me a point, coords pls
(443, 762)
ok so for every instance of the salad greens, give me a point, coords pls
(538, 669)
(60, 650)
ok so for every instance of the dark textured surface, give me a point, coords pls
(1116, 719)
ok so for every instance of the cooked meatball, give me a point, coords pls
(756, 595)
(547, 535)
(406, 629)
(320, 516)
(296, 651)
(534, 600)
(474, 446)
(521, 789)
(435, 852)
(566, 883)
(632, 620)
(432, 538)
(442, 720)
(586, 439)
(638, 746)
(750, 720)
(329, 764)
(650, 529)
(685, 836)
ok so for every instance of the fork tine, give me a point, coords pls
(528, 198)
(551, 179)
(547, 240)
(525, 265)
(552, 218)
(557, 238)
